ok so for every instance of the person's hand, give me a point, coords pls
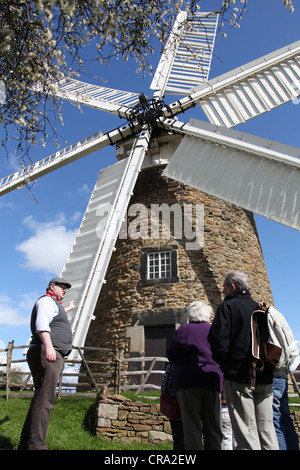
(49, 349)
(50, 354)
(72, 304)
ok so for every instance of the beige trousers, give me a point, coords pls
(251, 414)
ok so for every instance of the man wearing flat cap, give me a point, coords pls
(51, 341)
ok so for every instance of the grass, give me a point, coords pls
(70, 428)
(295, 400)
(71, 425)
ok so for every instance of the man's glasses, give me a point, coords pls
(61, 286)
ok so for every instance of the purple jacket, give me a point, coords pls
(191, 354)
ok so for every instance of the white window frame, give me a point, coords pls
(159, 265)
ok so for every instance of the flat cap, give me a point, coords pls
(60, 280)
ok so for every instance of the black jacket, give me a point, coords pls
(230, 338)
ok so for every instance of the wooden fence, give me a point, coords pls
(112, 369)
(295, 376)
(143, 372)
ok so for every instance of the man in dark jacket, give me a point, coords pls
(250, 410)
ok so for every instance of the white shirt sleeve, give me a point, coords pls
(46, 309)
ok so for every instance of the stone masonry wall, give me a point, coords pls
(119, 418)
(296, 419)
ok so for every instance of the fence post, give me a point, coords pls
(141, 387)
(8, 368)
(88, 370)
(119, 370)
(116, 357)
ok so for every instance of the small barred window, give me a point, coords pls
(159, 265)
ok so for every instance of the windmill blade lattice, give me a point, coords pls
(256, 174)
(64, 157)
(105, 99)
(253, 89)
(228, 100)
(186, 59)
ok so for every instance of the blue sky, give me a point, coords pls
(35, 239)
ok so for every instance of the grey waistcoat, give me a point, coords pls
(60, 330)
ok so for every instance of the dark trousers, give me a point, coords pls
(177, 433)
(201, 415)
(45, 376)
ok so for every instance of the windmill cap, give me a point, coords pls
(60, 280)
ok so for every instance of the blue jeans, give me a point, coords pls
(283, 423)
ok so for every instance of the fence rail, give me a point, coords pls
(295, 375)
(118, 372)
(138, 373)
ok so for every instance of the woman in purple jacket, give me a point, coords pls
(198, 380)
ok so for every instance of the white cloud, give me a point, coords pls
(85, 189)
(15, 313)
(48, 248)
(7, 205)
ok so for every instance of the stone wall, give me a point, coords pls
(296, 419)
(119, 418)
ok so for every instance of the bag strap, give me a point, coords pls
(168, 376)
(257, 363)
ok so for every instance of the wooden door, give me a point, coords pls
(157, 340)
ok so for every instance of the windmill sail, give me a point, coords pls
(256, 174)
(105, 99)
(63, 157)
(185, 62)
(253, 89)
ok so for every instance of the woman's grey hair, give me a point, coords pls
(238, 278)
(199, 312)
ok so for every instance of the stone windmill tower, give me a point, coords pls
(176, 245)
(174, 214)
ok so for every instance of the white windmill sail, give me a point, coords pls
(63, 157)
(253, 89)
(254, 173)
(89, 258)
(105, 99)
(186, 59)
